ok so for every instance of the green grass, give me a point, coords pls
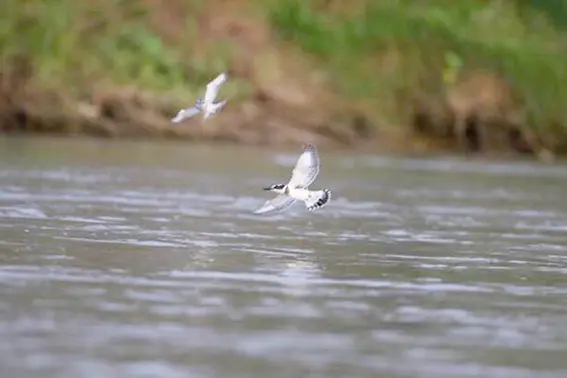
(77, 43)
(517, 41)
(73, 43)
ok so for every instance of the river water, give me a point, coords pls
(143, 259)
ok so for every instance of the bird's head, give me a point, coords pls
(199, 103)
(277, 188)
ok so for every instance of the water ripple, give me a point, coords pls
(150, 262)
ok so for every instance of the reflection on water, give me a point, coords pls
(122, 259)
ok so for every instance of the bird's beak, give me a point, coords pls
(268, 188)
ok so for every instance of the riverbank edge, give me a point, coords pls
(288, 97)
(124, 113)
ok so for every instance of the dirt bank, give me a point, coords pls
(282, 95)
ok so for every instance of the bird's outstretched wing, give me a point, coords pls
(307, 167)
(184, 114)
(213, 88)
(279, 203)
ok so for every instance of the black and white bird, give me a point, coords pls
(297, 189)
(205, 105)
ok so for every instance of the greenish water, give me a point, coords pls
(142, 259)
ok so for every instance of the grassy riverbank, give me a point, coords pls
(366, 68)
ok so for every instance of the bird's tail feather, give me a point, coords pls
(215, 109)
(317, 199)
(218, 106)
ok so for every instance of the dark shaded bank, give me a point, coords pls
(398, 75)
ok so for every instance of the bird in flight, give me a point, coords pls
(206, 104)
(297, 189)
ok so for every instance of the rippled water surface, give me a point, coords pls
(142, 259)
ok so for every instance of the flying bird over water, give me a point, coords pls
(205, 105)
(297, 189)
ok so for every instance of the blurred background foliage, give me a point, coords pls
(375, 53)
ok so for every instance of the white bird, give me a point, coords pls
(297, 189)
(205, 105)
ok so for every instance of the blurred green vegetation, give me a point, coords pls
(556, 10)
(378, 50)
(433, 38)
(75, 43)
